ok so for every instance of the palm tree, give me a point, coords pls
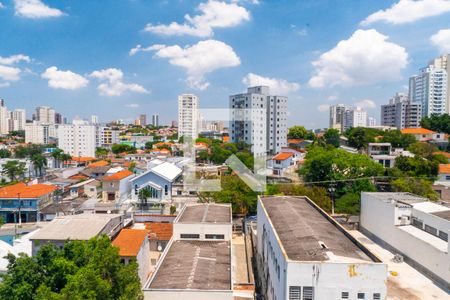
(143, 195)
(57, 156)
(14, 169)
(65, 157)
(39, 162)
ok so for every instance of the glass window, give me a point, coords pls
(308, 293)
(189, 236)
(294, 292)
(361, 296)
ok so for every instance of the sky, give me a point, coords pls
(118, 59)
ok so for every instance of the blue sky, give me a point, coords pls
(77, 55)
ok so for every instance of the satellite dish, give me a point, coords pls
(159, 248)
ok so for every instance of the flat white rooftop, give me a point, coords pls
(425, 236)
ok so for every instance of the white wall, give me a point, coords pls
(187, 295)
(202, 229)
(143, 260)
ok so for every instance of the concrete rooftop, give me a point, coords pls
(206, 213)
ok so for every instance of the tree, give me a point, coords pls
(438, 123)
(360, 137)
(56, 154)
(4, 153)
(423, 149)
(398, 139)
(39, 162)
(421, 187)
(417, 166)
(101, 152)
(120, 148)
(332, 137)
(143, 195)
(14, 170)
(348, 204)
(297, 132)
(81, 270)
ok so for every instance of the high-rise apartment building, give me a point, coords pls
(45, 115)
(106, 137)
(337, 116)
(265, 119)
(4, 120)
(155, 120)
(94, 120)
(37, 133)
(354, 117)
(78, 138)
(18, 119)
(188, 115)
(443, 62)
(371, 122)
(401, 113)
(430, 89)
(143, 120)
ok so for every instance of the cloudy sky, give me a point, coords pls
(117, 59)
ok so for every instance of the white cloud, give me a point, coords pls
(366, 103)
(9, 73)
(365, 58)
(442, 40)
(132, 105)
(139, 48)
(407, 11)
(114, 86)
(323, 107)
(35, 9)
(1, 5)
(4, 84)
(332, 97)
(213, 14)
(13, 59)
(277, 86)
(200, 59)
(66, 80)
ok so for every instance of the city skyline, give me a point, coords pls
(109, 66)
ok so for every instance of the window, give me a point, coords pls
(376, 296)
(308, 293)
(443, 236)
(344, 295)
(430, 229)
(417, 223)
(294, 292)
(361, 296)
(166, 190)
(215, 236)
(189, 236)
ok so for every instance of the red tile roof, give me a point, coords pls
(417, 131)
(162, 231)
(444, 169)
(31, 192)
(101, 163)
(283, 156)
(118, 176)
(83, 159)
(294, 141)
(129, 241)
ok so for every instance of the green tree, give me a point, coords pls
(39, 162)
(348, 204)
(101, 152)
(437, 123)
(423, 149)
(360, 137)
(297, 132)
(332, 137)
(398, 139)
(120, 148)
(143, 195)
(417, 186)
(56, 154)
(417, 166)
(4, 153)
(81, 270)
(14, 170)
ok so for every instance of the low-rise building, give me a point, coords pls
(79, 227)
(134, 244)
(117, 186)
(303, 253)
(22, 203)
(411, 226)
(281, 162)
(425, 135)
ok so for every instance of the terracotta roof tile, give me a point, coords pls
(83, 159)
(129, 241)
(283, 156)
(444, 169)
(101, 163)
(417, 131)
(32, 191)
(163, 231)
(118, 176)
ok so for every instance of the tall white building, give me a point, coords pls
(45, 115)
(443, 62)
(304, 254)
(18, 119)
(267, 121)
(37, 133)
(337, 116)
(94, 120)
(4, 120)
(78, 138)
(401, 113)
(155, 120)
(371, 122)
(106, 137)
(430, 89)
(188, 115)
(354, 117)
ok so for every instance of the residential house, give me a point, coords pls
(117, 186)
(158, 180)
(134, 244)
(425, 135)
(23, 203)
(79, 227)
(281, 162)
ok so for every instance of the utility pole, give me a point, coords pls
(332, 189)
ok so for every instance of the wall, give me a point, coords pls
(187, 295)
(144, 179)
(202, 229)
(378, 218)
(143, 260)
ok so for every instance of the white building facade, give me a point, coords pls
(401, 113)
(266, 126)
(37, 133)
(354, 117)
(77, 139)
(337, 116)
(411, 226)
(45, 115)
(188, 115)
